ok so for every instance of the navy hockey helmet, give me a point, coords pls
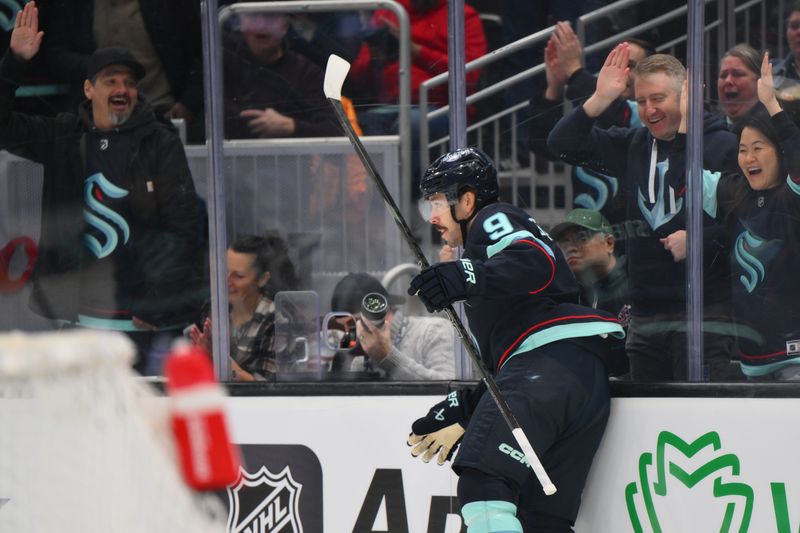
(463, 169)
(455, 173)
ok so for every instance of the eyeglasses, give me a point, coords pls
(578, 238)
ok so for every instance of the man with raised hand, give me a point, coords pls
(656, 342)
(120, 226)
(543, 349)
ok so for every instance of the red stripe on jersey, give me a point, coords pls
(552, 264)
(545, 323)
(764, 356)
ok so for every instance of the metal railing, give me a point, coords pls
(722, 27)
(404, 57)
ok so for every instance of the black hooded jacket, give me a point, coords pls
(658, 283)
(160, 281)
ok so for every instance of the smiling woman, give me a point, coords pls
(258, 267)
(759, 207)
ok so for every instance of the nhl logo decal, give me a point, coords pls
(265, 502)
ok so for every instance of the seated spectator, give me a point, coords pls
(786, 70)
(737, 84)
(405, 347)
(587, 240)
(258, 267)
(567, 77)
(655, 345)
(759, 206)
(271, 91)
(375, 71)
(164, 36)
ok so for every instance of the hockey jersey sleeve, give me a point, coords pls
(511, 255)
(577, 140)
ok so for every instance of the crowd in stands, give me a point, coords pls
(121, 217)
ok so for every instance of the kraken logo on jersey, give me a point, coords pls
(594, 180)
(658, 215)
(98, 184)
(753, 253)
(265, 502)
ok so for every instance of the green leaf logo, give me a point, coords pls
(643, 498)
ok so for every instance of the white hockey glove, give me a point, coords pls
(441, 429)
(443, 442)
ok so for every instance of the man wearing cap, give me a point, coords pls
(405, 347)
(587, 240)
(119, 223)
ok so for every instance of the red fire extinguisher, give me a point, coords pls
(208, 459)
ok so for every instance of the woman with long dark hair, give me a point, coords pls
(258, 267)
(759, 207)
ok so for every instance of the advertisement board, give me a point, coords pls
(680, 465)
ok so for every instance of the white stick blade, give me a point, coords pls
(335, 73)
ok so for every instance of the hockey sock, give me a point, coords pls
(494, 516)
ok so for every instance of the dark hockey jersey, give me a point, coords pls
(528, 295)
(764, 230)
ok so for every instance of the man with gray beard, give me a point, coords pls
(120, 234)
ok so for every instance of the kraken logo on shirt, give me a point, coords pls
(101, 217)
(752, 253)
(660, 213)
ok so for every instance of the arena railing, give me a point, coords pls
(334, 221)
(404, 56)
(721, 29)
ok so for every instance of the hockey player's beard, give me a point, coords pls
(449, 235)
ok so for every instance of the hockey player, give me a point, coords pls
(542, 348)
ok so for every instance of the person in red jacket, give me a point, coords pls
(428, 20)
(375, 70)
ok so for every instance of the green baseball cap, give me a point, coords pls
(582, 218)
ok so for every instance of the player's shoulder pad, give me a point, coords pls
(499, 219)
(512, 212)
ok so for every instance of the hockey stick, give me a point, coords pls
(335, 74)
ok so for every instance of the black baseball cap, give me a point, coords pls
(352, 288)
(113, 55)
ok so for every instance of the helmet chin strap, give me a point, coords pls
(463, 223)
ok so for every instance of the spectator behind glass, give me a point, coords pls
(656, 345)
(406, 347)
(587, 241)
(566, 76)
(375, 71)
(271, 91)
(736, 84)
(163, 36)
(258, 267)
(787, 70)
(522, 18)
(119, 242)
(759, 206)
